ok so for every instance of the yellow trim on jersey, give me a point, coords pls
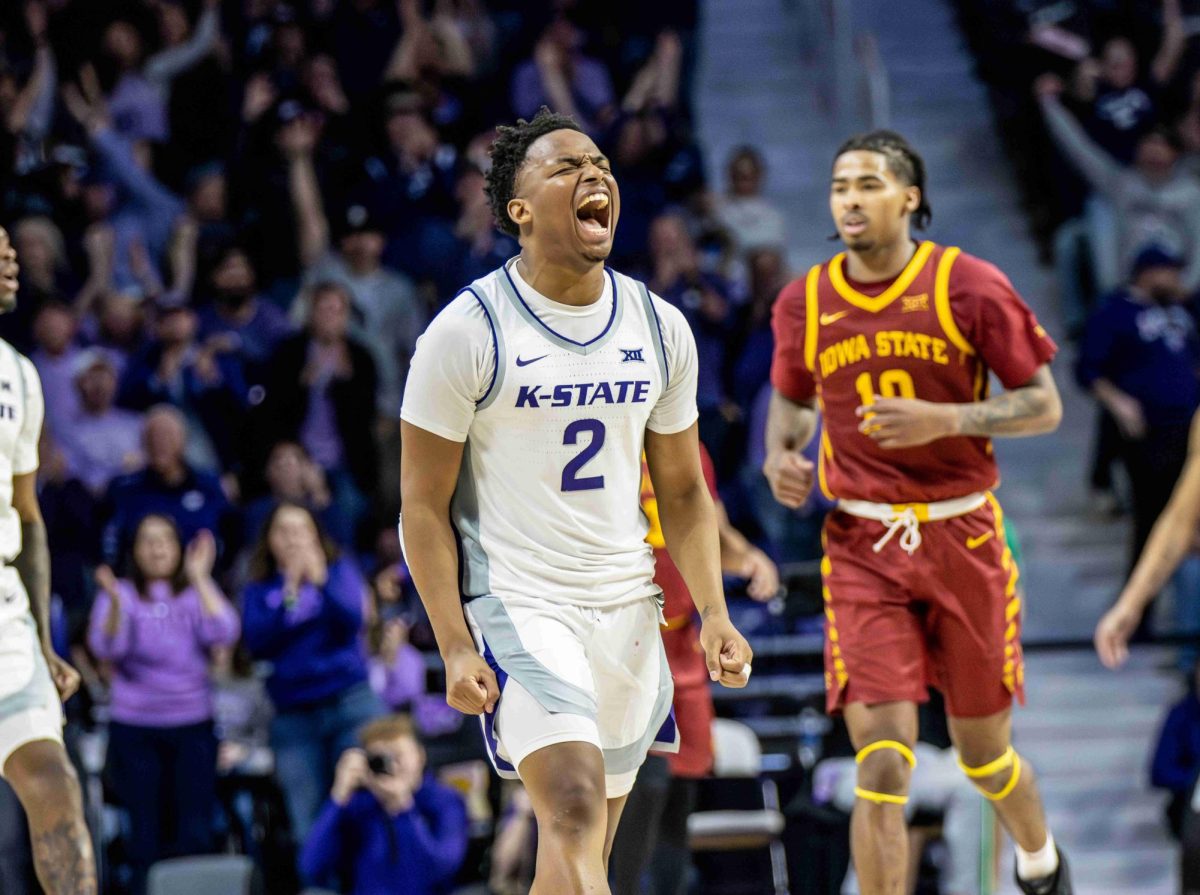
(810, 318)
(839, 664)
(824, 456)
(941, 301)
(877, 303)
(1013, 672)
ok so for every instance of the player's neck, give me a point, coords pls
(881, 262)
(570, 286)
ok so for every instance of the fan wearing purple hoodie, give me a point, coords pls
(156, 629)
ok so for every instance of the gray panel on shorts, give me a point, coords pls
(553, 693)
(475, 573)
(40, 691)
(624, 759)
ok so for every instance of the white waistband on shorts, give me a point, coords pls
(906, 518)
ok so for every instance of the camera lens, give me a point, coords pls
(379, 764)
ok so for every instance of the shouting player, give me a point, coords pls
(34, 678)
(893, 341)
(528, 405)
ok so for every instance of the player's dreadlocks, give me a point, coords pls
(508, 154)
(903, 161)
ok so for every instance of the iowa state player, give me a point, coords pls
(893, 341)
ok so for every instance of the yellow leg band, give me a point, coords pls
(906, 752)
(880, 798)
(1009, 786)
(992, 767)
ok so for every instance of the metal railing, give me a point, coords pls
(850, 74)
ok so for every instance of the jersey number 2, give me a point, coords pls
(571, 480)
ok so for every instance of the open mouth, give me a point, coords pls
(854, 226)
(593, 213)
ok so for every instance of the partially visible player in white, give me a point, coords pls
(33, 679)
(528, 405)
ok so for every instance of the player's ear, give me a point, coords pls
(519, 211)
(912, 199)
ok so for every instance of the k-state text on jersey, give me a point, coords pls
(584, 394)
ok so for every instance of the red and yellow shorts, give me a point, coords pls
(948, 615)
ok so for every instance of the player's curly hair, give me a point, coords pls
(904, 161)
(508, 154)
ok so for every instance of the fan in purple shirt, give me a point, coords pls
(156, 630)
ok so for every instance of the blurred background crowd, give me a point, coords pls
(235, 217)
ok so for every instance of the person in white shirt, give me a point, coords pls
(33, 679)
(530, 401)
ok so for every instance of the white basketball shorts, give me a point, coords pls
(30, 709)
(576, 674)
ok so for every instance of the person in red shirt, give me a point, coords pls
(665, 791)
(893, 342)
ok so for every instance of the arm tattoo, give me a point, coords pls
(1032, 409)
(1010, 413)
(62, 855)
(33, 565)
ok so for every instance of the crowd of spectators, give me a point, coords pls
(1099, 103)
(234, 218)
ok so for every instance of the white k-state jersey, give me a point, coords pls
(21, 411)
(548, 499)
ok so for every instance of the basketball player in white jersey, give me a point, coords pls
(33, 679)
(529, 403)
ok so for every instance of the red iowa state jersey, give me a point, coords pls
(933, 333)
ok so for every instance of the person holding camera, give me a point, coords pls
(387, 826)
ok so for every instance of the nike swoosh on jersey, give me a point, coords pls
(533, 360)
(972, 543)
(827, 319)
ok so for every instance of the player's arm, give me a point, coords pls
(33, 565)
(1029, 409)
(740, 557)
(452, 362)
(429, 466)
(1032, 409)
(689, 524)
(790, 427)
(1169, 542)
(792, 412)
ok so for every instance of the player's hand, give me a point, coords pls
(8, 267)
(726, 652)
(763, 576)
(66, 679)
(790, 475)
(1113, 633)
(906, 422)
(471, 686)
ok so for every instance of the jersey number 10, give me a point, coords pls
(892, 384)
(571, 480)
